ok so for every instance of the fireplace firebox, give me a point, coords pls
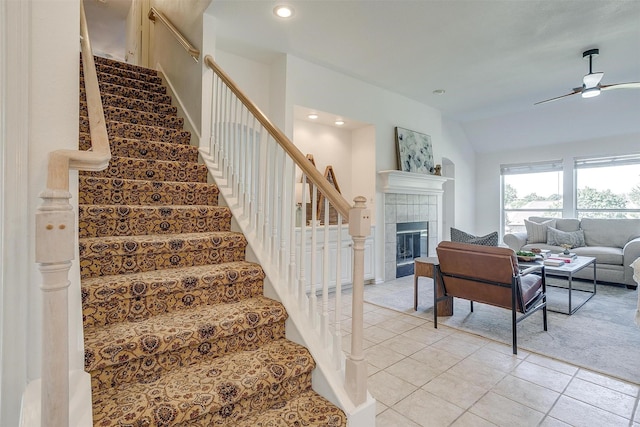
(412, 241)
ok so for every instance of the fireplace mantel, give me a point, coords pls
(393, 181)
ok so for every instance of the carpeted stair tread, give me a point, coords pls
(124, 65)
(151, 133)
(123, 220)
(132, 92)
(116, 191)
(138, 296)
(224, 389)
(306, 409)
(105, 256)
(146, 118)
(158, 170)
(116, 71)
(142, 149)
(131, 83)
(120, 342)
(132, 103)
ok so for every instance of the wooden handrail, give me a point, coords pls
(97, 158)
(191, 49)
(335, 198)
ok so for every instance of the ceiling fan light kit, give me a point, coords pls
(591, 92)
(591, 86)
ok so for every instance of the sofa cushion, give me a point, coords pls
(610, 232)
(602, 254)
(562, 224)
(460, 236)
(556, 237)
(537, 232)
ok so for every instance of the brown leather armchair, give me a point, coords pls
(490, 275)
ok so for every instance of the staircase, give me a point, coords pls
(177, 330)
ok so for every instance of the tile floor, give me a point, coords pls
(423, 376)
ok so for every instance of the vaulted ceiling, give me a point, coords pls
(494, 58)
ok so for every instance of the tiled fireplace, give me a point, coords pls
(410, 198)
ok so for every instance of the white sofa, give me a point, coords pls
(615, 243)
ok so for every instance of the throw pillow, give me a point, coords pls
(460, 236)
(556, 237)
(537, 231)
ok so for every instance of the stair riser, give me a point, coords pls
(148, 369)
(141, 308)
(126, 192)
(227, 415)
(132, 93)
(127, 168)
(232, 414)
(132, 104)
(127, 264)
(126, 115)
(141, 149)
(105, 69)
(124, 66)
(137, 221)
(150, 133)
(130, 83)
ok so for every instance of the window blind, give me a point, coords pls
(522, 168)
(601, 162)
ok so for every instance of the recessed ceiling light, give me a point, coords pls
(313, 116)
(339, 122)
(439, 92)
(283, 11)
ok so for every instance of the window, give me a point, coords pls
(608, 187)
(533, 189)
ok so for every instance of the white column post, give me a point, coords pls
(55, 234)
(356, 365)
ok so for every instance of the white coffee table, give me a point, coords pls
(568, 270)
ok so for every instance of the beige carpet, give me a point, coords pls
(601, 336)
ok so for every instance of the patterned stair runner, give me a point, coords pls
(177, 330)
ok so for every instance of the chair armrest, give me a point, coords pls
(515, 240)
(531, 269)
(630, 253)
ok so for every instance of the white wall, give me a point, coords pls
(182, 72)
(488, 169)
(461, 154)
(329, 146)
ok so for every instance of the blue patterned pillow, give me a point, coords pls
(557, 238)
(460, 236)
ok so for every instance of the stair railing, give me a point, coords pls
(191, 49)
(56, 242)
(260, 168)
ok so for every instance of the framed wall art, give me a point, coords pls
(415, 153)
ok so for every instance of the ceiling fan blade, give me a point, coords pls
(575, 91)
(630, 85)
(592, 80)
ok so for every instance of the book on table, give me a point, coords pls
(552, 262)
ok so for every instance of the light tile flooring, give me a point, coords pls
(422, 376)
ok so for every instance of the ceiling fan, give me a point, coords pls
(591, 82)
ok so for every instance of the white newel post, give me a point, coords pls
(356, 365)
(54, 252)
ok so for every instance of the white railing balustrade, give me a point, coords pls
(259, 170)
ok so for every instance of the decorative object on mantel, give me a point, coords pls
(438, 170)
(415, 153)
